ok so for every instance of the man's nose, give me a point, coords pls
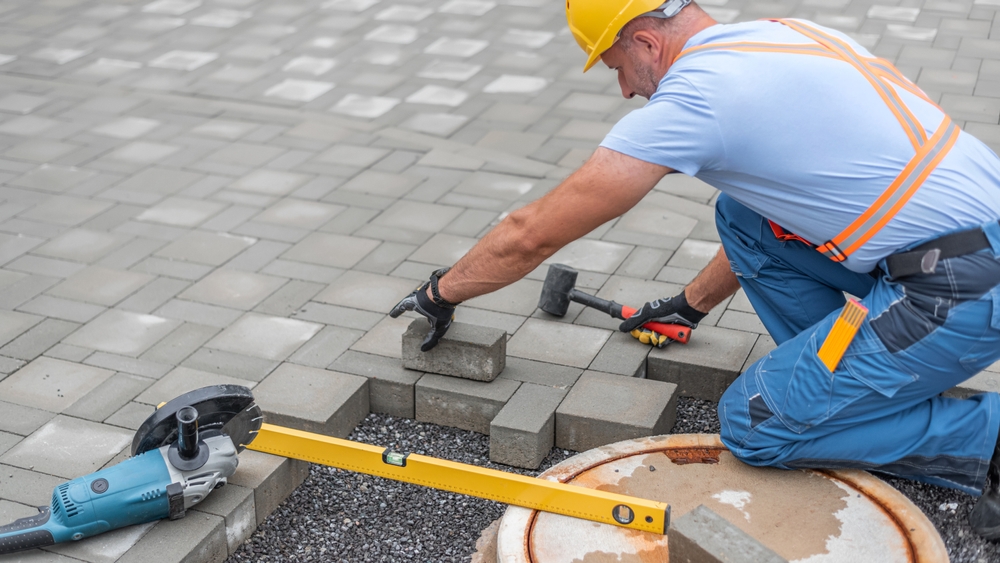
(627, 91)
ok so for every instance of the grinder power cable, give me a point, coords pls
(558, 291)
(189, 447)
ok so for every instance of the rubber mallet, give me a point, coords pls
(558, 291)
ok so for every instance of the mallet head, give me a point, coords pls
(555, 290)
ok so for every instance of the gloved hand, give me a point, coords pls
(439, 317)
(672, 310)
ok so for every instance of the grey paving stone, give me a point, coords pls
(502, 321)
(325, 249)
(212, 249)
(523, 432)
(623, 355)
(51, 384)
(105, 548)
(738, 320)
(518, 298)
(702, 536)
(27, 487)
(57, 448)
(13, 324)
(81, 245)
(181, 212)
(22, 420)
(326, 346)
(231, 364)
(108, 397)
(181, 380)
(541, 373)
(200, 313)
(371, 292)
(66, 210)
(289, 298)
(198, 537)
(338, 316)
(467, 351)
(314, 400)
(461, 403)
(179, 344)
(706, 365)
(153, 295)
(258, 256)
(272, 338)
(45, 266)
(385, 338)
(124, 364)
(271, 478)
(122, 332)
(390, 386)
(760, 349)
(62, 309)
(557, 343)
(235, 505)
(131, 416)
(68, 353)
(99, 285)
(233, 288)
(606, 408)
(8, 441)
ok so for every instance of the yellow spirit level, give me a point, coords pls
(509, 488)
(844, 329)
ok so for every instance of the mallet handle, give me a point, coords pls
(680, 333)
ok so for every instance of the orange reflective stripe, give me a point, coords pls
(895, 196)
(753, 46)
(890, 73)
(909, 123)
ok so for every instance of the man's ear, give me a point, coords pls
(647, 44)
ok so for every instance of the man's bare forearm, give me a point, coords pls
(712, 285)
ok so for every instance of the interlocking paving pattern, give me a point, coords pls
(209, 191)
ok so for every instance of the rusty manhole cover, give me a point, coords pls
(804, 516)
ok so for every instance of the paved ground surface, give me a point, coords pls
(215, 191)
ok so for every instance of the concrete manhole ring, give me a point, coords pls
(807, 516)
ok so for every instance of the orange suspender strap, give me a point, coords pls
(929, 153)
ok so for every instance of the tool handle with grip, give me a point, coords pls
(680, 333)
(26, 533)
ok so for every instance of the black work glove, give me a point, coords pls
(672, 310)
(439, 317)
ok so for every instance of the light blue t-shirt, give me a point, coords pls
(805, 141)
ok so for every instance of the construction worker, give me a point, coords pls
(837, 175)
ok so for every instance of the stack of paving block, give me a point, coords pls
(528, 406)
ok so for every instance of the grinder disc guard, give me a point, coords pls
(222, 409)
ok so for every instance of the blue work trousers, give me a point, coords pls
(880, 409)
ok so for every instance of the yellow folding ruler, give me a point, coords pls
(509, 488)
(842, 333)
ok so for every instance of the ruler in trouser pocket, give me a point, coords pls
(509, 488)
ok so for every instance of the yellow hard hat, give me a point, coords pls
(596, 23)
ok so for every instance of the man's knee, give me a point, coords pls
(745, 419)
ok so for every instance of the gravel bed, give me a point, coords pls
(337, 516)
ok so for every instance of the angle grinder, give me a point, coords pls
(186, 449)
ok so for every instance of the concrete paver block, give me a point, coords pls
(385, 338)
(181, 380)
(272, 479)
(622, 354)
(231, 288)
(68, 447)
(704, 367)
(30, 488)
(604, 408)
(8, 441)
(314, 400)
(111, 395)
(99, 285)
(227, 363)
(103, 548)
(390, 386)
(370, 292)
(557, 343)
(702, 536)
(523, 431)
(234, 504)
(199, 537)
(467, 351)
(22, 420)
(271, 338)
(461, 403)
(51, 384)
(122, 332)
(548, 375)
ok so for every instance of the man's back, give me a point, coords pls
(804, 139)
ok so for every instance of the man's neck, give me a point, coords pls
(679, 39)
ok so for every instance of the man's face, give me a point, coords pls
(636, 75)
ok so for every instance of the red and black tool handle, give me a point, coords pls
(680, 333)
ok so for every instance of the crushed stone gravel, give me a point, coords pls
(338, 516)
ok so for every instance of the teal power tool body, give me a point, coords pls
(183, 451)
